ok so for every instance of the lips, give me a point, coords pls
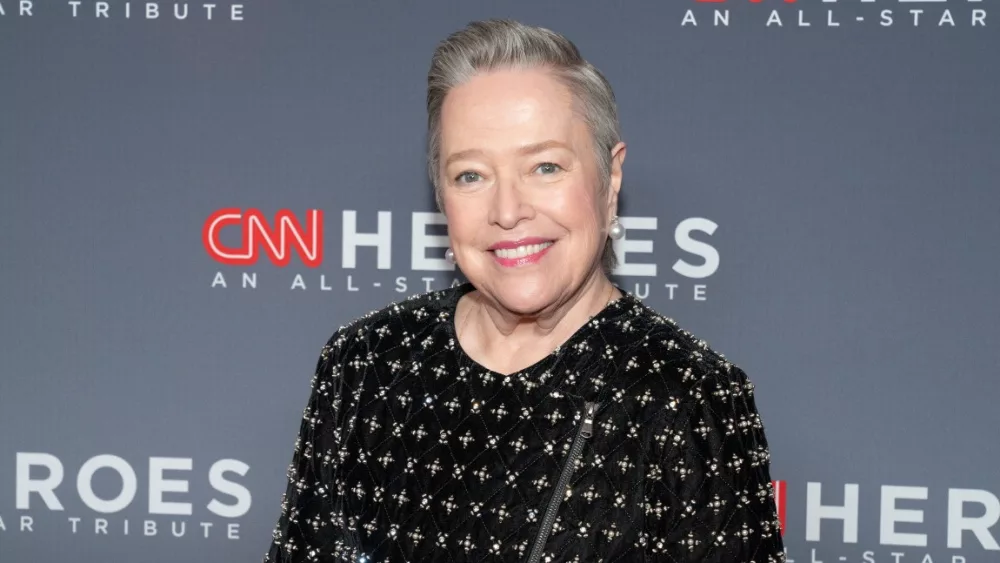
(520, 252)
(527, 241)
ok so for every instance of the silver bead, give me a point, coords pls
(449, 255)
(616, 230)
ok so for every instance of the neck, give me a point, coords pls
(497, 332)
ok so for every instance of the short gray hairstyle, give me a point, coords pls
(495, 44)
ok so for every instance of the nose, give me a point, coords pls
(509, 205)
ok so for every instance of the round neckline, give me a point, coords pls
(608, 312)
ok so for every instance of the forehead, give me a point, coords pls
(508, 108)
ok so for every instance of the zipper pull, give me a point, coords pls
(588, 420)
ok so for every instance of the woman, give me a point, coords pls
(537, 413)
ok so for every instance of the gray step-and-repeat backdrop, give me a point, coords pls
(195, 195)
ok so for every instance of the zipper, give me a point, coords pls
(583, 433)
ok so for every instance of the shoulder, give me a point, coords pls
(689, 386)
(673, 362)
(392, 324)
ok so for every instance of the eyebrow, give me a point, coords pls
(533, 148)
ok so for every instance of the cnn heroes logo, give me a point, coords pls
(834, 517)
(243, 238)
(40, 490)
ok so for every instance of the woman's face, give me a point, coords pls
(527, 219)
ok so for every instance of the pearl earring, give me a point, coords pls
(616, 230)
(449, 255)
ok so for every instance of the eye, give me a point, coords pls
(548, 168)
(467, 177)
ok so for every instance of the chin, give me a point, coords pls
(526, 295)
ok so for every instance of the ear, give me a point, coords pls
(615, 180)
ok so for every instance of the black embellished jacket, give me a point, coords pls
(633, 441)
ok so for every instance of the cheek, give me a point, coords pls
(465, 220)
(576, 209)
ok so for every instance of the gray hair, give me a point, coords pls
(494, 44)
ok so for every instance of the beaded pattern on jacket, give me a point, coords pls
(410, 451)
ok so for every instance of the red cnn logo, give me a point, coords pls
(277, 241)
(779, 501)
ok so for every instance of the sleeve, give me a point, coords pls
(708, 494)
(308, 528)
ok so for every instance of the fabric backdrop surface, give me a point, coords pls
(190, 206)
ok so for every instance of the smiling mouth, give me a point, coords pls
(523, 251)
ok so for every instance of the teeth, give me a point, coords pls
(521, 251)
